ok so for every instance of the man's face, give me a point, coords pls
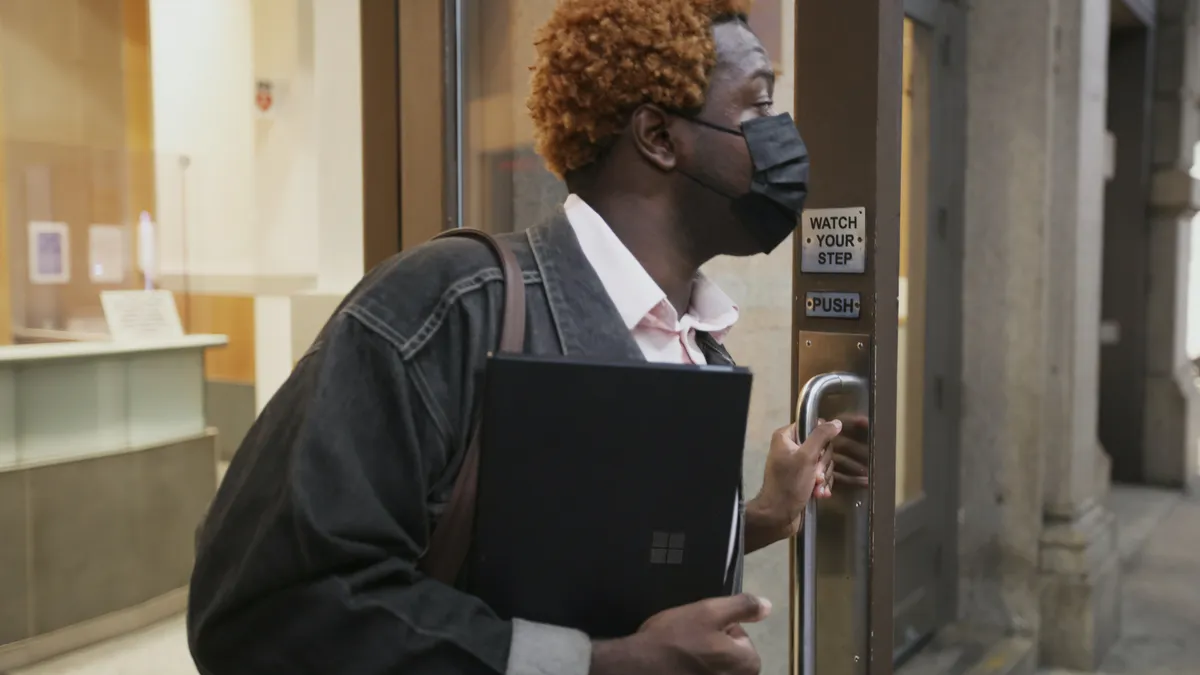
(741, 88)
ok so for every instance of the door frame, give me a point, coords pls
(381, 118)
(405, 115)
(923, 608)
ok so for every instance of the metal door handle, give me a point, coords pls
(807, 414)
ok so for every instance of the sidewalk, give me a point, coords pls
(1159, 537)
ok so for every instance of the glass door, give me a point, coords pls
(928, 339)
(466, 156)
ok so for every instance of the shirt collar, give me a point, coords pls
(631, 288)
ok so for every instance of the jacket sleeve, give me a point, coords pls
(307, 561)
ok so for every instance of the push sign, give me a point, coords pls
(832, 305)
(834, 241)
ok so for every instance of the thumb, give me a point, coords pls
(826, 432)
(745, 608)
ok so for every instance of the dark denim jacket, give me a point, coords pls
(307, 560)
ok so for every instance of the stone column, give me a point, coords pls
(1171, 406)
(1078, 561)
(1010, 65)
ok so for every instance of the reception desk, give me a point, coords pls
(106, 467)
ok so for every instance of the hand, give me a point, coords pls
(795, 472)
(704, 638)
(851, 453)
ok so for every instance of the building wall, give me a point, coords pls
(1009, 51)
(203, 70)
(1170, 440)
(1037, 548)
(285, 147)
(256, 207)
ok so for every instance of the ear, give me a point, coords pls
(651, 132)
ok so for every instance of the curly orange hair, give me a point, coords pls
(598, 60)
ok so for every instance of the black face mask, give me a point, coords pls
(779, 184)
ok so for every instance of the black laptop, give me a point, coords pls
(607, 492)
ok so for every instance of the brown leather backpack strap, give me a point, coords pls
(451, 539)
(512, 327)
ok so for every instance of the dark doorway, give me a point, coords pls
(1126, 244)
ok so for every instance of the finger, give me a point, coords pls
(720, 613)
(853, 481)
(820, 421)
(742, 657)
(824, 433)
(844, 445)
(788, 433)
(856, 421)
(737, 632)
(825, 468)
(849, 466)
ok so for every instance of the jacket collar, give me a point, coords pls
(585, 318)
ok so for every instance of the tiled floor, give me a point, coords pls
(1159, 537)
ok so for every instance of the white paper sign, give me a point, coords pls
(140, 316)
(49, 253)
(834, 241)
(106, 254)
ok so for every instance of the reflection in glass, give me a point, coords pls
(72, 231)
(506, 186)
(914, 216)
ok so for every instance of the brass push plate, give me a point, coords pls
(843, 534)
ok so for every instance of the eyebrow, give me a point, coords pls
(765, 73)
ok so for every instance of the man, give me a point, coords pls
(651, 111)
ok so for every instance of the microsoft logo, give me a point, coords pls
(666, 548)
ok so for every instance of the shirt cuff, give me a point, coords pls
(538, 649)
